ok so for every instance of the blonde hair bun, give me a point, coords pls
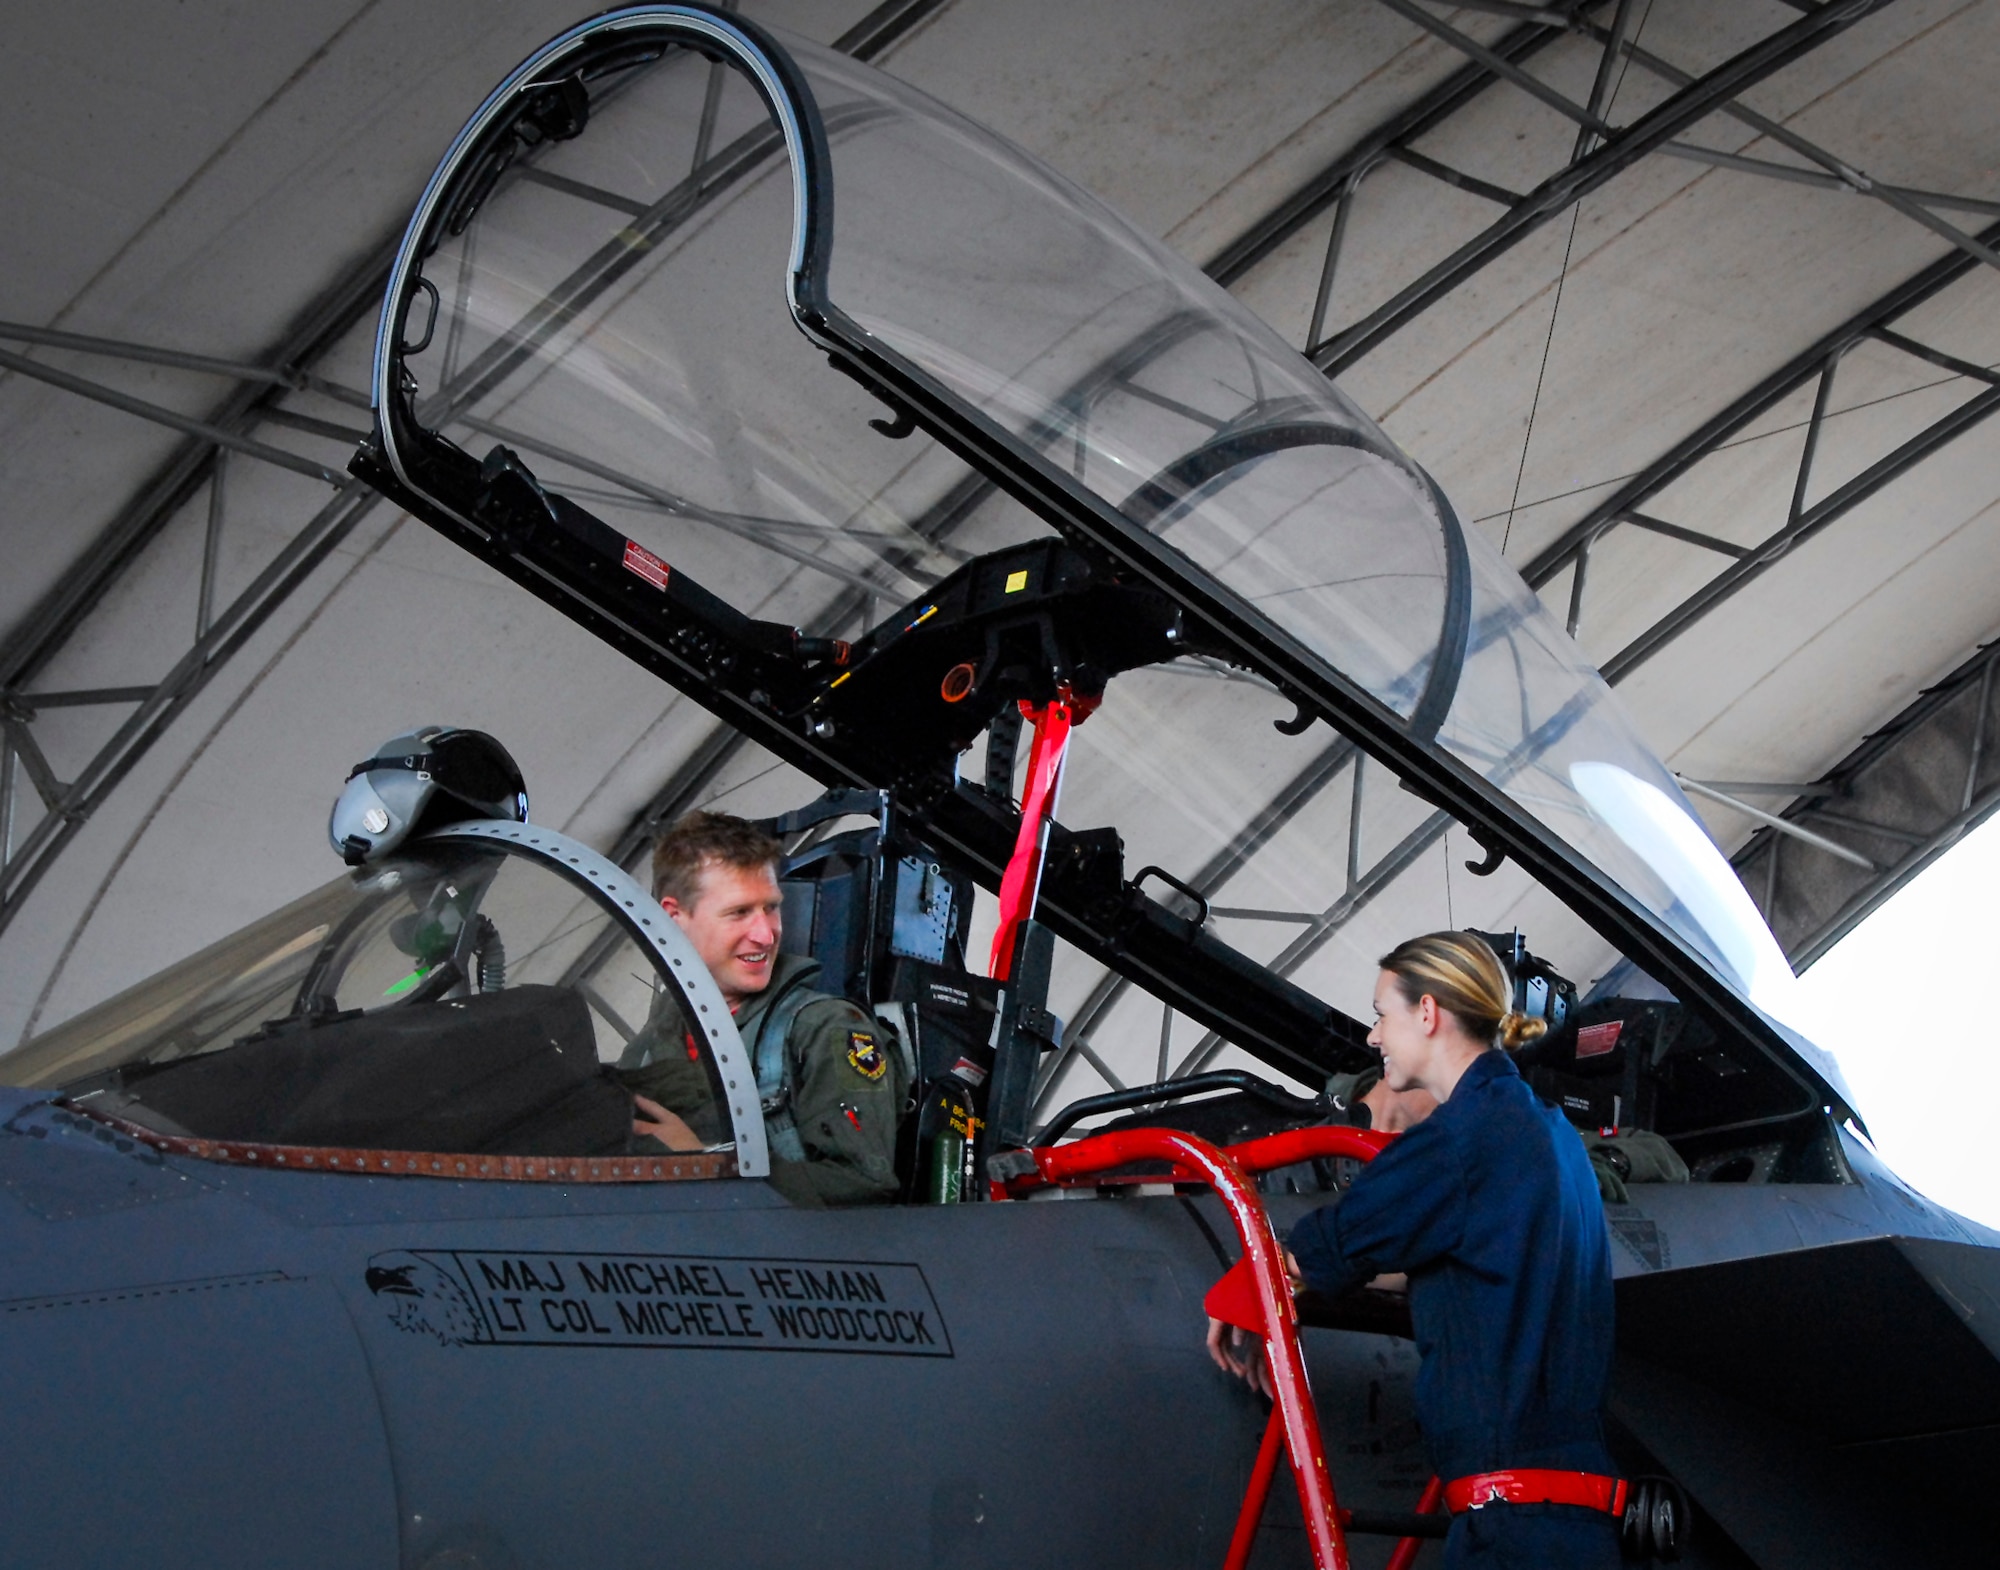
(1462, 974)
(1519, 1030)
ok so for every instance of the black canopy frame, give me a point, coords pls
(1122, 927)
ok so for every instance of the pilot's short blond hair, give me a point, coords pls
(1460, 972)
(708, 839)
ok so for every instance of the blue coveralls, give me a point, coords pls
(1491, 1206)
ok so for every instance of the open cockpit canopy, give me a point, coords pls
(756, 330)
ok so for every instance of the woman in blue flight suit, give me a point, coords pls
(1490, 1206)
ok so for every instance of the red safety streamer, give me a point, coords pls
(1023, 878)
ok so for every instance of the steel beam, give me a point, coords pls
(1786, 788)
(1431, 110)
(1515, 11)
(1503, 61)
(1498, 64)
(1894, 196)
(70, 806)
(1619, 150)
(218, 437)
(1782, 825)
(1937, 357)
(1458, 179)
(32, 704)
(886, 26)
(1626, 504)
(1674, 531)
(1601, 86)
(1336, 240)
(211, 549)
(1802, 527)
(151, 354)
(8, 785)
(1822, 180)
(49, 626)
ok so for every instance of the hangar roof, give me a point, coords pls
(1608, 296)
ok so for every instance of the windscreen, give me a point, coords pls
(462, 1000)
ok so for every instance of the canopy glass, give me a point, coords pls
(623, 308)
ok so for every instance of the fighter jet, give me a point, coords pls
(1151, 692)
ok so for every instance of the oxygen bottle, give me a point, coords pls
(948, 1125)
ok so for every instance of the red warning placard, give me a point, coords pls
(648, 566)
(1593, 1041)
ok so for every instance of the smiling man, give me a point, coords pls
(832, 1083)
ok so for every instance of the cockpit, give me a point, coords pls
(459, 1008)
(450, 1011)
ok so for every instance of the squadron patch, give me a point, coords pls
(865, 1055)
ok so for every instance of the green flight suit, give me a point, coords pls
(1632, 1155)
(1344, 1093)
(844, 1087)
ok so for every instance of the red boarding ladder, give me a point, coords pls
(1294, 1424)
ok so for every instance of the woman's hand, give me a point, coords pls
(1241, 1352)
(1252, 1368)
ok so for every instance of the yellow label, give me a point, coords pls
(1016, 581)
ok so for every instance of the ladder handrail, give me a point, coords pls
(1196, 1160)
(1294, 1421)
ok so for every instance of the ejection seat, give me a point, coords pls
(889, 924)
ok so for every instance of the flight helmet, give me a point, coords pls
(422, 780)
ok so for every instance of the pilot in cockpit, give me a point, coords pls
(1367, 1100)
(832, 1085)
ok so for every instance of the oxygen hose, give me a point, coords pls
(492, 955)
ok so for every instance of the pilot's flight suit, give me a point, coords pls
(1344, 1093)
(1491, 1206)
(843, 1086)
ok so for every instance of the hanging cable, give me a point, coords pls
(1562, 277)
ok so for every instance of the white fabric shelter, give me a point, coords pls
(224, 183)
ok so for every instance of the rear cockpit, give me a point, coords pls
(1662, 1091)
